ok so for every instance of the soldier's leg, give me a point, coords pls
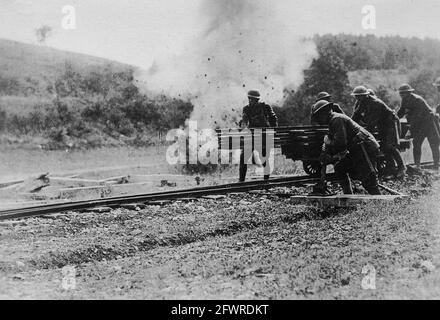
(371, 184)
(243, 166)
(398, 159)
(341, 170)
(392, 140)
(401, 168)
(345, 182)
(389, 159)
(266, 165)
(265, 159)
(417, 148)
(367, 171)
(394, 159)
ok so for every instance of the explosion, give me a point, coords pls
(242, 45)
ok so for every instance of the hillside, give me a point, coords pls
(31, 70)
(381, 63)
(56, 99)
(383, 82)
(78, 100)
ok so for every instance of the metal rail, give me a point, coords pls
(425, 163)
(167, 195)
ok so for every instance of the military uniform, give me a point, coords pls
(335, 108)
(373, 113)
(422, 125)
(260, 115)
(346, 135)
(326, 97)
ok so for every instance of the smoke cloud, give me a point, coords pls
(242, 45)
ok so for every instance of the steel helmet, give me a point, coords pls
(371, 92)
(254, 94)
(322, 96)
(360, 91)
(437, 82)
(318, 106)
(405, 88)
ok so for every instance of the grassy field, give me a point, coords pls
(16, 163)
(239, 247)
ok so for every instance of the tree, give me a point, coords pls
(43, 33)
(326, 73)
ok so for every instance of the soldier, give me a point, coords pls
(356, 105)
(327, 97)
(257, 115)
(422, 123)
(351, 148)
(372, 113)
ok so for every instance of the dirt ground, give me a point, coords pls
(239, 247)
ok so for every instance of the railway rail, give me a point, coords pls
(157, 196)
(166, 195)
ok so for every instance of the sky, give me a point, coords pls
(139, 31)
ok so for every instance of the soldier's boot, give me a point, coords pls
(346, 185)
(242, 172)
(390, 167)
(417, 153)
(373, 190)
(400, 173)
(401, 168)
(371, 185)
(267, 170)
(436, 156)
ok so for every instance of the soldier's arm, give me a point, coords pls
(422, 109)
(402, 111)
(357, 114)
(339, 141)
(273, 119)
(376, 118)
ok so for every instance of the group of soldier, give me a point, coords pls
(350, 145)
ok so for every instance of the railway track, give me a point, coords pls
(167, 195)
(157, 196)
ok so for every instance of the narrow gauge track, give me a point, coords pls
(167, 195)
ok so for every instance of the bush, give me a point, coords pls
(421, 81)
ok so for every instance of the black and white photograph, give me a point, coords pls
(217, 155)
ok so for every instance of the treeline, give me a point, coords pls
(339, 55)
(98, 108)
(90, 107)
